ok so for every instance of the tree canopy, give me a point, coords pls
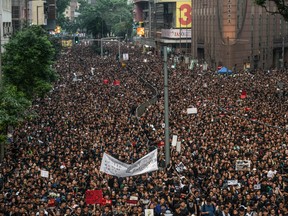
(107, 16)
(27, 62)
(281, 5)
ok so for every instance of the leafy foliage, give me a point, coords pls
(13, 106)
(61, 6)
(27, 62)
(281, 5)
(106, 16)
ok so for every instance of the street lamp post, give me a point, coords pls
(166, 110)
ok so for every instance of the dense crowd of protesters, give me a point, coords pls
(85, 116)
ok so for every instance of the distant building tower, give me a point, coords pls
(5, 22)
(237, 34)
(50, 14)
(71, 11)
(18, 14)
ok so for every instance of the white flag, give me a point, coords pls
(114, 167)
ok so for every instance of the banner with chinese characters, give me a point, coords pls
(112, 166)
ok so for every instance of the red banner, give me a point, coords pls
(243, 94)
(106, 81)
(51, 203)
(116, 83)
(94, 196)
(106, 202)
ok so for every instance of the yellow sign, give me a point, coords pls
(67, 43)
(140, 31)
(58, 29)
(183, 14)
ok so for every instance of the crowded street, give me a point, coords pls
(54, 158)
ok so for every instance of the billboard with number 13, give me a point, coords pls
(183, 14)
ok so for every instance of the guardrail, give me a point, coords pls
(142, 107)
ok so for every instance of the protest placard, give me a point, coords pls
(192, 110)
(125, 56)
(257, 186)
(93, 197)
(178, 146)
(232, 182)
(243, 165)
(174, 140)
(149, 212)
(44, 174)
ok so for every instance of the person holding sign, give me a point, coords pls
(208, 208)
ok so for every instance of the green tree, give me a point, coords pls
(27, 62)
(13, 109)
(281, 5)
(61, 7)
(106, 16)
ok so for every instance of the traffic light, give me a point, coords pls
(76, 39)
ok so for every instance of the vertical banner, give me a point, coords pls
(183, 14)
(178, 146)
(174, 140)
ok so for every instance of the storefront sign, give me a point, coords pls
(175, 33)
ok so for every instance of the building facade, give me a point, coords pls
(71, 10)
(5, 22)
(18, 14)
(166, 23)
(50, 13)
(34, 12)
(37, 10)
(237, 34)
(234, 33)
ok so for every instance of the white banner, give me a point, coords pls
(192, 110)
(125, 56)
(174, 140)
(178, 146)
(232, 182)
(243, 165)
(114, 167)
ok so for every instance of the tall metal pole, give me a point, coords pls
(186, 51)
(150, 19)
(101, 47)
(180, 32)
(119, 49)
(166, 110)
(283, 51)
